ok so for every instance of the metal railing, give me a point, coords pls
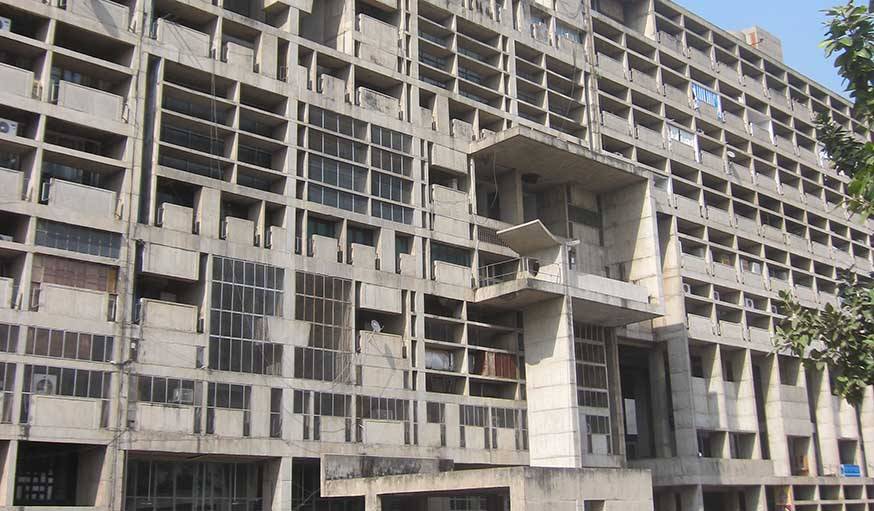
(506, 271)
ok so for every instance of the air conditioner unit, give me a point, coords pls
(716, 296)
(5, 24)
(749, 303)
(268, 239)
(223, 230)
(775, 309)
(44, 384)
(7, 237)
(8, 127)
(756, 267)
(182, 396)
(687, 288)
(159, 217)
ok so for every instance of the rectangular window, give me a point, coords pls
(46, 342)
(326, 303)
(337, 173)
(680, 135)
(65, 381)
(382, 408)
(7, 386)
(8, 338)
(391, 212)
(337, 123)
(339, 147)
(230, 397)
(161, 390)
(470, 415)
(390, 187)
(704, 95)
(391, 139)
(449, 254)
(392, 162)
(275, 413)
(337, 199)
(244, 294)
(77, 239)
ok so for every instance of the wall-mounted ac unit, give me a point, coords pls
(749, 303)
(44, 384)
(775, 309)
(5, 24)
(756, 267)
(716, 296)
(45, 192)
(687, 288)
(8, 127)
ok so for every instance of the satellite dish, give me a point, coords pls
(375, 326)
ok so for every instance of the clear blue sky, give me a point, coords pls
(798, 23)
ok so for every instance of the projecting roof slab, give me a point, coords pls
(528, 238)
(530, 151)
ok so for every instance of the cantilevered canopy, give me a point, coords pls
(528, 238)
(552, 159)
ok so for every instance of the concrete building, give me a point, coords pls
(414, 254)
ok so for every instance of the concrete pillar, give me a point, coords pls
(866, 432)
(278, 484)
(510, 197)
(692, 499)
(372, 502)
(553, 417)
(681, 388)
(663, 444)
(8, 458)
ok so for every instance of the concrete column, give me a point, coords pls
(8, 458)
(777, 441)
(372, 502)
(510, 197)
(553, 417)
(663, 446)
(278, 484)
(692, 499)
(681, 388)
(866, 425)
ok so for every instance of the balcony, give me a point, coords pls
(7, 293)
(55, 412)
(16, 81)
(165, 418)
(11, 183)
(81, 198)
(239, 230)
(378, 33)
(186, 41)
(452, 274)
(175, 263)
(168, 315)
(379, 102)
(74, 302)
(611, 66)
(450, 159)
(363, 256)
(104, 11)
(379, 298)
(700, 327)
(175, 217)
(324, 247)
(87, 100)
(543, 274)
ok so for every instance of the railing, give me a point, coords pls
(509, 270)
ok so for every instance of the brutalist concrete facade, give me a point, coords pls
(414, 254)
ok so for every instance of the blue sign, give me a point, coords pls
(851, 471)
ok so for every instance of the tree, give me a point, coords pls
(842, 337)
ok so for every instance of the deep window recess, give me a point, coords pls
(46, 342)
(229, 397)
(450, 254)
(65, 381)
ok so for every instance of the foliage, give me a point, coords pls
(850, 40)
(839, 337)
(842, 337)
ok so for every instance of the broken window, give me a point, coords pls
(244, 294)
(326, 303)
